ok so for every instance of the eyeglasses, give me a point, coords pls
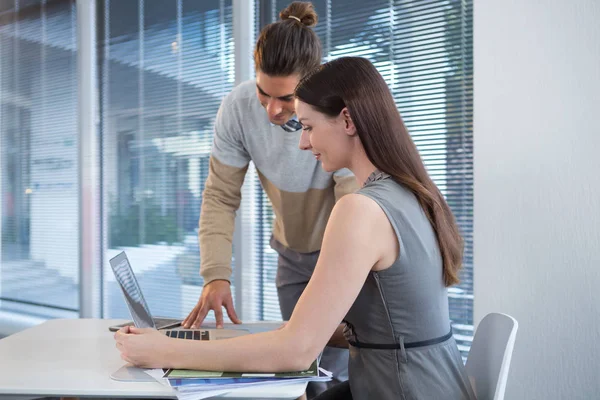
(292, 126)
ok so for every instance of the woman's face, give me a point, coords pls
(329, 138)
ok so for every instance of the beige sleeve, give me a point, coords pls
(344, 184)
(220, 200)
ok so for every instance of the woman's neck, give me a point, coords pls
(362, 168)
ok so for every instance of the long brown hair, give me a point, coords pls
(289, 46)
(354, 82)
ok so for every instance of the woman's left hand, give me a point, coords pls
(145, 347)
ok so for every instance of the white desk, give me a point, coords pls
(75, 357)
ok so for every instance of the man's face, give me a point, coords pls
(276, 94)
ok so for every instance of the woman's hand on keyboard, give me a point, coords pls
(144, 347)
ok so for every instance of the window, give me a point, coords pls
(38, 158)
(164, 68)
(424, 51)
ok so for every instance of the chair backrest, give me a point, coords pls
(488, 361)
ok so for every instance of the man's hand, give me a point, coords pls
(338, 339)
(215, 296)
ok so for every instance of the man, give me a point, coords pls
(301, 193)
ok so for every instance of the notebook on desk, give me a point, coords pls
(140, 312)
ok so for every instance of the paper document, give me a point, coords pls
(195, 388)
(312, 371)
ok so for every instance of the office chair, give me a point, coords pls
(488, 361)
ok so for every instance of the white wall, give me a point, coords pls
(537, 188)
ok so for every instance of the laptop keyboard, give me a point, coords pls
(187, 334)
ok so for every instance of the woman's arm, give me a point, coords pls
(357, 237)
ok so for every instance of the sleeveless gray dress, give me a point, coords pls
(401, 345)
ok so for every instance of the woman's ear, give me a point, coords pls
(349, 127)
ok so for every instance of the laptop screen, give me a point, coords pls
(140, 313)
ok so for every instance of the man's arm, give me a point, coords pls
(338, 339)
(222, 192)
(220, 200)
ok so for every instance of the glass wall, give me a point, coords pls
(39, 158)
(164, 68)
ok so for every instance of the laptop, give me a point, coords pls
(140, 312)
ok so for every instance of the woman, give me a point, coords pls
(389, 252)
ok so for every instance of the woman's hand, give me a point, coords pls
(146, 348)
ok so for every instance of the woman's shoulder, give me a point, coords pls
(358, 208)
(352, 202)
(355, 222)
